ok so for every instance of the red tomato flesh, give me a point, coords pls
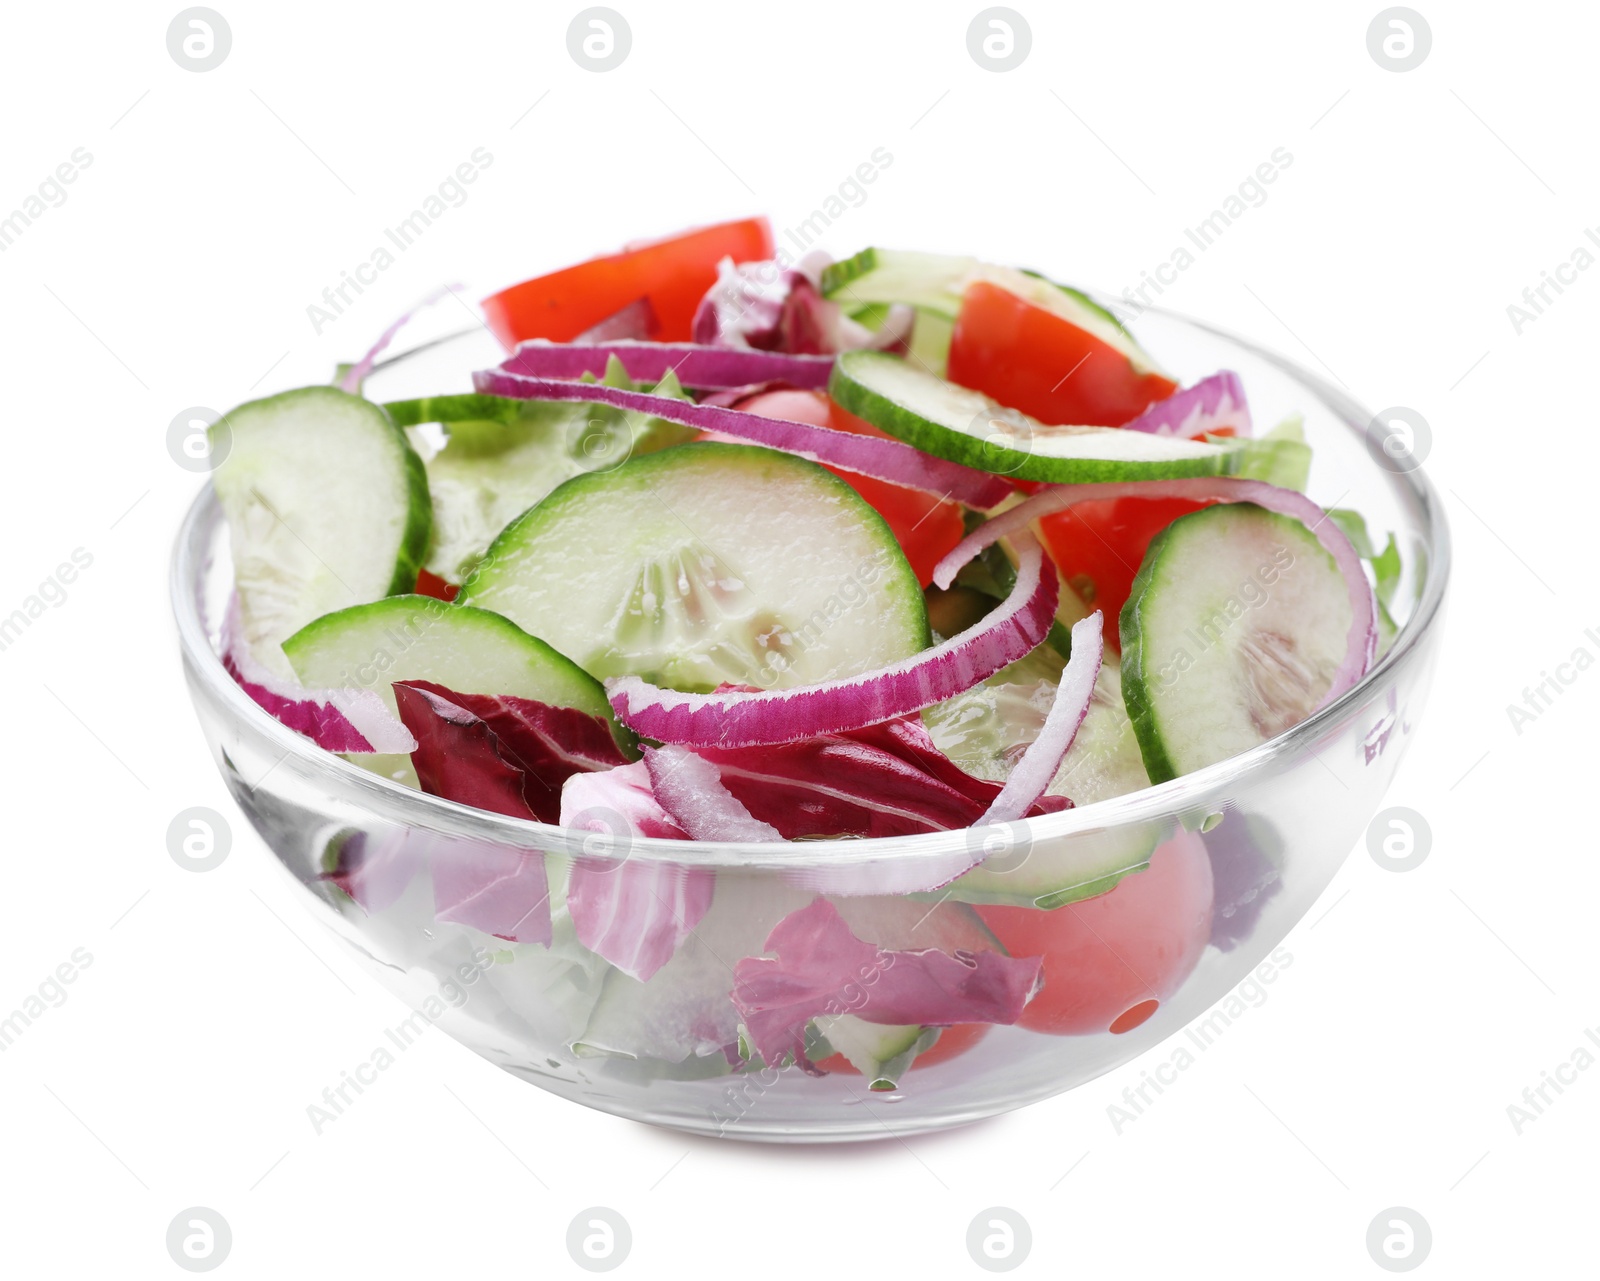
(1099, 547)
(430, 584)
(1110, 961)
(1041, 363)
(673, 273)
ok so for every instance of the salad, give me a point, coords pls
(733, 549)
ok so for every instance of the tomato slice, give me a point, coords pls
(1110, 961)
(1043, 364)
(954, 1040)
(1099, 546)
(674, 273)
(925, 525)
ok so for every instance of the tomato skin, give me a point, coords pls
(1099, 547)
(925, 525)
(954, 1040)
(1033, 360)
(674, 273)
(1110, 961)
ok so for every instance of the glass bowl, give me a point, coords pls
(1266, 830)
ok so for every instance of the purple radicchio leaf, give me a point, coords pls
(885, 780)
(633, 912)
(770, 307)
(374, 868)
(821, 968)
(494, 888)
(499, 753)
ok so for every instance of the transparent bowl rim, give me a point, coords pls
(394, 802)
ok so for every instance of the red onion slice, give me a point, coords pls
(1212, 403)
(356, 374)
(340, 720)
(690, 788)
(1363, 636)
(890, 460)
(700, 367)
(1037, 768)
(736, 718)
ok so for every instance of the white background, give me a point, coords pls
(178, 273)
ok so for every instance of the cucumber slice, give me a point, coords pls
(327, 506)
(966, 426)
(935, 283)
(418, 638)
(708, 563)
(1233, 632)
(876, 275)
(930, 341)
(930, 334)
(504, 455)
(986, 729)
(881, 1052)
(1105, 760)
